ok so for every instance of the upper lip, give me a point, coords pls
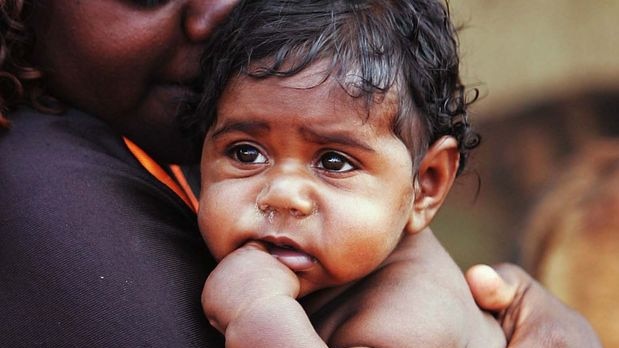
(186, 89)
(281, 241)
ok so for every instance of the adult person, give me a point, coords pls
(570, 242)
(94, 250)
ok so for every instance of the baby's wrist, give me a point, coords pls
(260, 318)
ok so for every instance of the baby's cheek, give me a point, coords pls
(359, 251)
(228, 218)
(377, 233)
(212, 217)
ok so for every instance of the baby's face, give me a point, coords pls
(306, 172)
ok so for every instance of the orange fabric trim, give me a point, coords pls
(182, 181)
(182, 189)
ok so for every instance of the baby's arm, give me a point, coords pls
(418, 299)
(250, 298)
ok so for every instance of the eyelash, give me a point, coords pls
(234, 153)
(346, 162)
(248, 154)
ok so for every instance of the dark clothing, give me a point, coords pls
(94, 251)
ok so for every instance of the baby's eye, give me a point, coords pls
(335, 162)
(246, 153)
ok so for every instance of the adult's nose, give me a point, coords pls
(287, 193)
(203, 16)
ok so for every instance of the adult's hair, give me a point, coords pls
(19, 80)
(371, 46)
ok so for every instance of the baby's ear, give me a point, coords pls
(436, 174)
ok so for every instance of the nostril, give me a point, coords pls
(263, 207)
(270, 211)
(286, 195)
(267, 211)
(302, 210)
(296, 213)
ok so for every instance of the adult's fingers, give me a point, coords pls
(529, 315)
(491, 292)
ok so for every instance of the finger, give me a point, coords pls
(529, 315)
(491, 291)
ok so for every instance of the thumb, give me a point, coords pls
(254, 245)
(490, 290)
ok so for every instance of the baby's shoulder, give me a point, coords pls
(419, 298)
(397, 306)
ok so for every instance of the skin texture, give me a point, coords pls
(127, 62)
(530, 315)
(338, 190)
(287, 195)
(124, 63)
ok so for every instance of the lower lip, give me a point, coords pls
(175, 90)
(296, 260)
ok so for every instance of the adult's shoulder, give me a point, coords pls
(41, 140)
(93, 251)
(73, 157)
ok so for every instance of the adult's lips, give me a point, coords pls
(178, 89)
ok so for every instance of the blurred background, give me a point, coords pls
(548, 76)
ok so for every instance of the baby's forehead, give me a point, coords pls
(348, 88)
(316, 99)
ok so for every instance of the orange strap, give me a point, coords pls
(178, 186)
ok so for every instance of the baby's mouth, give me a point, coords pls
(293, 258)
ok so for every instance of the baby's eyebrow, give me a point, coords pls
(342, 138)
(248, 127)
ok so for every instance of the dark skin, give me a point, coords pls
(286, 194)
(129, 63)
(530, 315)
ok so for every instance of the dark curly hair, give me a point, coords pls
(20, 82)
(409, 45)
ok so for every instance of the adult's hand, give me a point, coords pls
(529, 314)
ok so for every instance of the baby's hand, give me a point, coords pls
(246, 277)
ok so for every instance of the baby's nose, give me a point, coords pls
(287, 194)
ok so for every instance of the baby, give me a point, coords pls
(334, 131)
